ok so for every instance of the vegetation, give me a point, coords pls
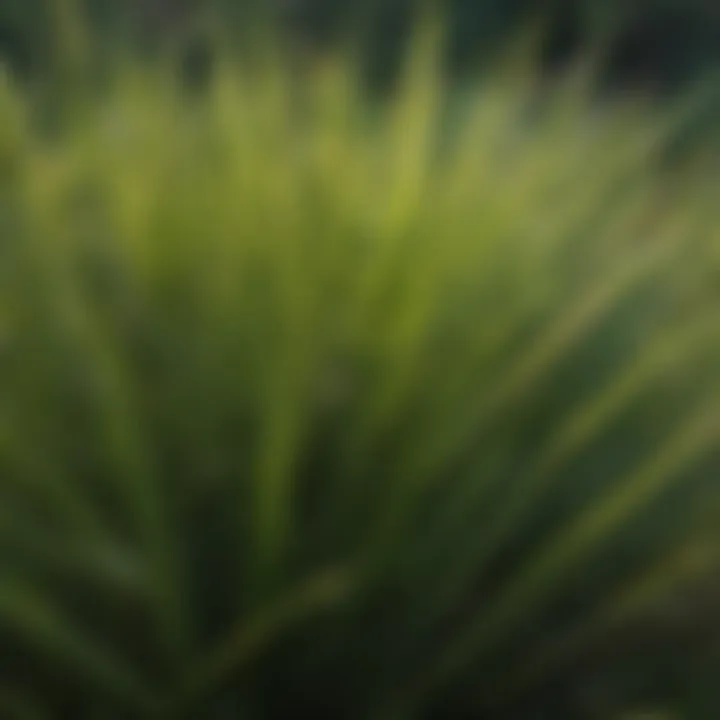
(313, 410)
(658, 44)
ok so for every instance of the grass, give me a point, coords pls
(310, 409)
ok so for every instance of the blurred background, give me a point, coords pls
(357, 362)
(659, 44)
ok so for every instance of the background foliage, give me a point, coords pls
(654, 43)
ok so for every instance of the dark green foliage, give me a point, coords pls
(655, 45)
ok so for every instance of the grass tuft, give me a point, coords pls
(313, 405)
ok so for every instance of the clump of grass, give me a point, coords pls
(308, 409)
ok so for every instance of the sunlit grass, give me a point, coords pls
(310, 409)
